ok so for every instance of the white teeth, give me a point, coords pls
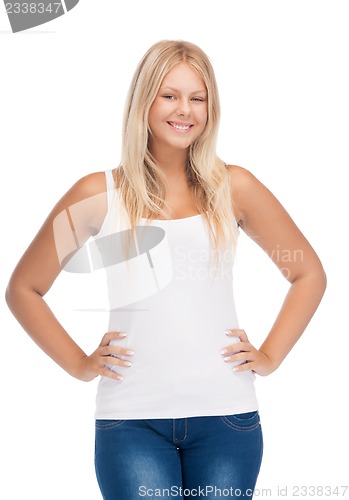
(180, 127)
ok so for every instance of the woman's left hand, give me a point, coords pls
(251, 358)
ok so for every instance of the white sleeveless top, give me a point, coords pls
(174, 304)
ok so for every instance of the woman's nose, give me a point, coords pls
(183, 108)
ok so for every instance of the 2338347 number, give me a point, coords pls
(319, 491)
(32, 8)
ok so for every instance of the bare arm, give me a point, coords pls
(36, 272)
(263, 219)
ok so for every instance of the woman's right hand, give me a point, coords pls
(105, 354)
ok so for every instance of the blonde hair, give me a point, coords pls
(141, 182)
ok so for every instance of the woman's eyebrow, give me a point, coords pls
(176, 90)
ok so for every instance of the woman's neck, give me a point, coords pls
(173, 163)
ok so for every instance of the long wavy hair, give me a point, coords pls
(140, 181)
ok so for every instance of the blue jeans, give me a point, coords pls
(196, 457)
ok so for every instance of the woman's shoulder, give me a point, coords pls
(244, 187)
(240, 176)
(243, 182)
(88, 198)
(88, 190)
(90, 185)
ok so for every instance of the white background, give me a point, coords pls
(282, 73)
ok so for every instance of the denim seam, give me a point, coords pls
(174, 433)
(240, 428)
(112, 425)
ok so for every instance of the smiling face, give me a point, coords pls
(178, 114)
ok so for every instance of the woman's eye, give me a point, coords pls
(172, 97)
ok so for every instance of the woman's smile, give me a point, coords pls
(180, 127)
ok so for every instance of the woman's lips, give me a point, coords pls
(180, 126)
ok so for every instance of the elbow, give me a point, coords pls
(320, 276)
(323, 278)
(17, 290)
(315, 276)
(7, 296)
(15, 293)
(318, 279)
(10, 294)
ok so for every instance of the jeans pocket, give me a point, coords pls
(243, 422)
(105, 425)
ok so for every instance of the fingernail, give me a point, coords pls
(122, 334)
(130, 352)
(127, 363)
(227, 332)
(235, 369)
(223, 351)
(119, 377)
(227, 358)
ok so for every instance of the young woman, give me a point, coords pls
(176, 410)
